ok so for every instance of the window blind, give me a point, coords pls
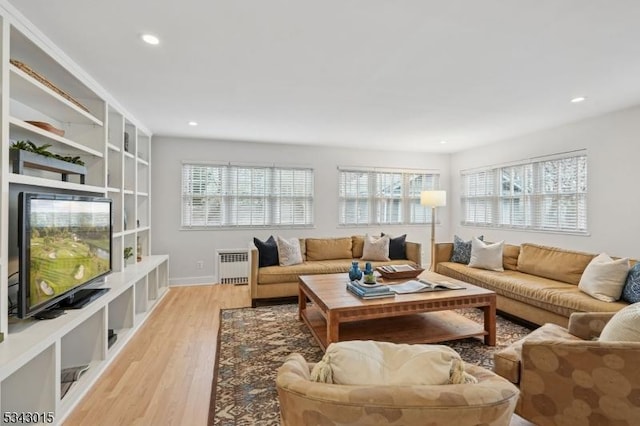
(369, 197)
(242, 196)
(544, 194)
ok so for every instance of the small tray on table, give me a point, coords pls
(398, 272)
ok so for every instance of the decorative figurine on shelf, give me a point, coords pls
(355, 273)
(126, 141)
(128, 252)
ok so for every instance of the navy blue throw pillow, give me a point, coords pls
(631, 290)
(462, 250)
(397, 247)
(267, 252)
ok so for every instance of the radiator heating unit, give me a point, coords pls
(233, 266)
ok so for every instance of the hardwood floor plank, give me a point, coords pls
(163, 376)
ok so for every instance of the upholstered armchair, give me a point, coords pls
(491, 401)
(566, 377)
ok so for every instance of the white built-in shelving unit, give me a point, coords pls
(116, 150)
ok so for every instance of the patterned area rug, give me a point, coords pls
(254, 342)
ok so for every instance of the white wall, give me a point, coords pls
(185, 247)
(613, 154)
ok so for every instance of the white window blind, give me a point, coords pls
(545, 194)
(221, 196)
(369, 197)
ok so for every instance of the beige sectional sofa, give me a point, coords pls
(320, 256)
(539, 283)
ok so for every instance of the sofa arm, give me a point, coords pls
(588, 325)
(414, 252)
(570, 382)
(253, 270)
(443, 253)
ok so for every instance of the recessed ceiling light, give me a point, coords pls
(578, 99)
(150, 38)
(193, 123)
(443, 142)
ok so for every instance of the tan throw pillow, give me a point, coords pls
(375, 248)
(370, 363)
(604, 278)
(486, 256)
(328, 248)
(288, 251)
(624, 326)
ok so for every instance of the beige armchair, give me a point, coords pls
(568, 378)
(491, 401)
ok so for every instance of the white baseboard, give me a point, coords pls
(206, 280)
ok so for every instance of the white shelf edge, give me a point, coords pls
(33, 129)
(26, 77)
(143, 194)
(117, 234)
(129, 155)
(50, 183)
(128, 191)
(111, 189)
(128, 232)
(143, 229)
(143, 162)
(112, 147)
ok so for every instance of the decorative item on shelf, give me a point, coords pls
(27, 154)
(128, 252)
(126, 141)
(46, 126)
(433, 199)
(124, 218)
(138, 250)
(25, 68)
(355, 273)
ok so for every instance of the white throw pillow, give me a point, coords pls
(368, 362)
(624, 326)
(604, 278)
(288, 251)
(376, 248)
(486, 256)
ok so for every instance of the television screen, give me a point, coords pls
(65, 245)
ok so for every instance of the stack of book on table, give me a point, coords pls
(365, 291)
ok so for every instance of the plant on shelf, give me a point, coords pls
(128, 252)
(44, 150)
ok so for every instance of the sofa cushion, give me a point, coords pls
(631, 290)
(603, 278)
(554, 296)
(506, 362)
(485, 255)
(624, 326)
(357, 244)
(552, 262)
(289, 252)
(374, 363)
(328, 248)
(510, 254)
(267, 251)
(375, 248)
(462, 250)
(397, 246)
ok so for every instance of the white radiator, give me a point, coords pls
(233, 266)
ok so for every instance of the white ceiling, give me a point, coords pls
(401, 74)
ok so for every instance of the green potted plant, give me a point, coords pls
(128, 252)
(27, 154)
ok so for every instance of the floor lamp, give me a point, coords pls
(433, 199)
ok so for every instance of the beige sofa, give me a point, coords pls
(539, 283)
(320, 256)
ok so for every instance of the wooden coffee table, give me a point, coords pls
(336, 315)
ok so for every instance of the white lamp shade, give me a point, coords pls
(433, 198)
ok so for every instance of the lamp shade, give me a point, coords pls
(433, 198)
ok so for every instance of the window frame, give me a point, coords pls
(526, 205)
(230, 192)
(379, 207)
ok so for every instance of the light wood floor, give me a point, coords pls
(164, 375)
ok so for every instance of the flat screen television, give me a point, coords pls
(65, 245)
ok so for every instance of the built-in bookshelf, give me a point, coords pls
(40, 84)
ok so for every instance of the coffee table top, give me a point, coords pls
(332, 292)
